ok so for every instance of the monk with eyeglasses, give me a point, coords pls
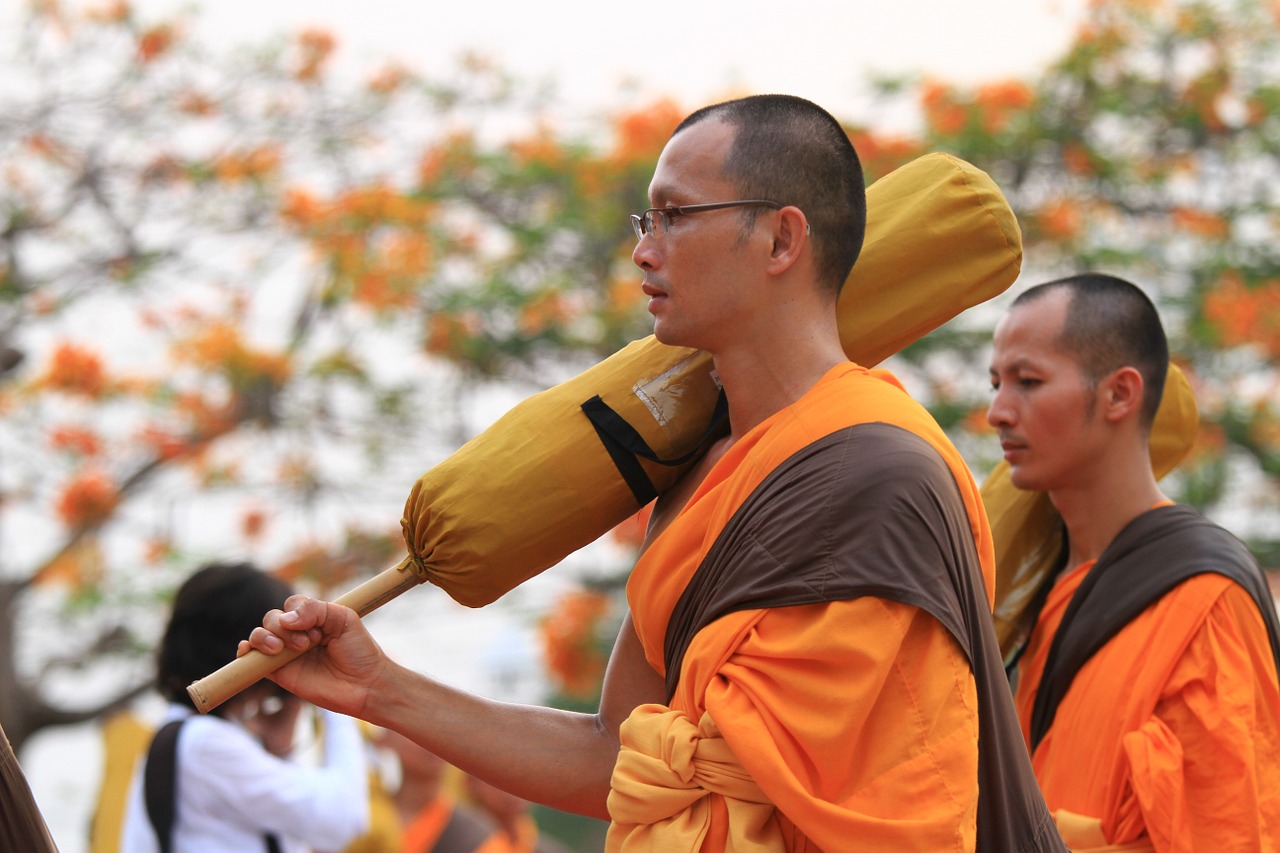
(808, 662)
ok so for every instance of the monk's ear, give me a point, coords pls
(790, 237)
(1122, 393)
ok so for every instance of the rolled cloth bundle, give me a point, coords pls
(568, 464)
(1027, 531)
(940, 238)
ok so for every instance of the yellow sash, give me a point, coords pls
(666, 770)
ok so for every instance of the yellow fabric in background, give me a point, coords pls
(539, 484)
(1027, 528)
(125, 739)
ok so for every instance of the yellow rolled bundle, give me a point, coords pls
(540, 482)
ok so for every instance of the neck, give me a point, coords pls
(1097, 511)
(769, 372)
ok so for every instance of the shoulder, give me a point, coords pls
(1227, 634)
(873, 464)
(1185, 534)
(206, 740)
(1197, 597)
(1232, 603)
(1212, 609)
(1165, 548)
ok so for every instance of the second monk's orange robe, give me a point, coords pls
(1171, 731)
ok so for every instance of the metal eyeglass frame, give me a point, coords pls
(657, 220)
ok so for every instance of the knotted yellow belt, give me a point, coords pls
(667, 768)
(1083, 834)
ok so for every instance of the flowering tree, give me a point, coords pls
(1147, 150)
(242, 305)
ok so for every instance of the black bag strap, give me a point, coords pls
(160, 782)
(160, 786)
(627, 446)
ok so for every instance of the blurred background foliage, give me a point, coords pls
(1148, 150)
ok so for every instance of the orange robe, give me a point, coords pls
(855, 722)
(1171, 731)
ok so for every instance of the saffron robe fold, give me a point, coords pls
(1170, 729)
(835, 567)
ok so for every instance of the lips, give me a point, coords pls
(656, 294)
(650, 289)
(1010, 446)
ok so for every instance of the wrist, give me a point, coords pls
(387, 694)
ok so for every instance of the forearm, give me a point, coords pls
(557, 758)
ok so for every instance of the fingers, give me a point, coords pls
(297, 601)
(264, 641)
(299, 626)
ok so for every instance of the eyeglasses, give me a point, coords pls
(657, 220)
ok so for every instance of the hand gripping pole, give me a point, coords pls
(211, 691)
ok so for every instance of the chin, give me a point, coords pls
(1021, 479)
(671, 337)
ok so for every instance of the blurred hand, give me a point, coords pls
(270, 715)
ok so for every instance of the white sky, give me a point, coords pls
(693, 50)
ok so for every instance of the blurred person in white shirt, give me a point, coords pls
(233, 786)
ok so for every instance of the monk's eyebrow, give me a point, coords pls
(667, 195)
(1019, 363)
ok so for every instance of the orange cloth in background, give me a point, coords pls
(420, 834)
(1172, 729)
(858, 719)
(423, 832)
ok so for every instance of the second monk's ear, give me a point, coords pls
(1123, 391)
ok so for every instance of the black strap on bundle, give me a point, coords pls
(160, 786)
(627, 447)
